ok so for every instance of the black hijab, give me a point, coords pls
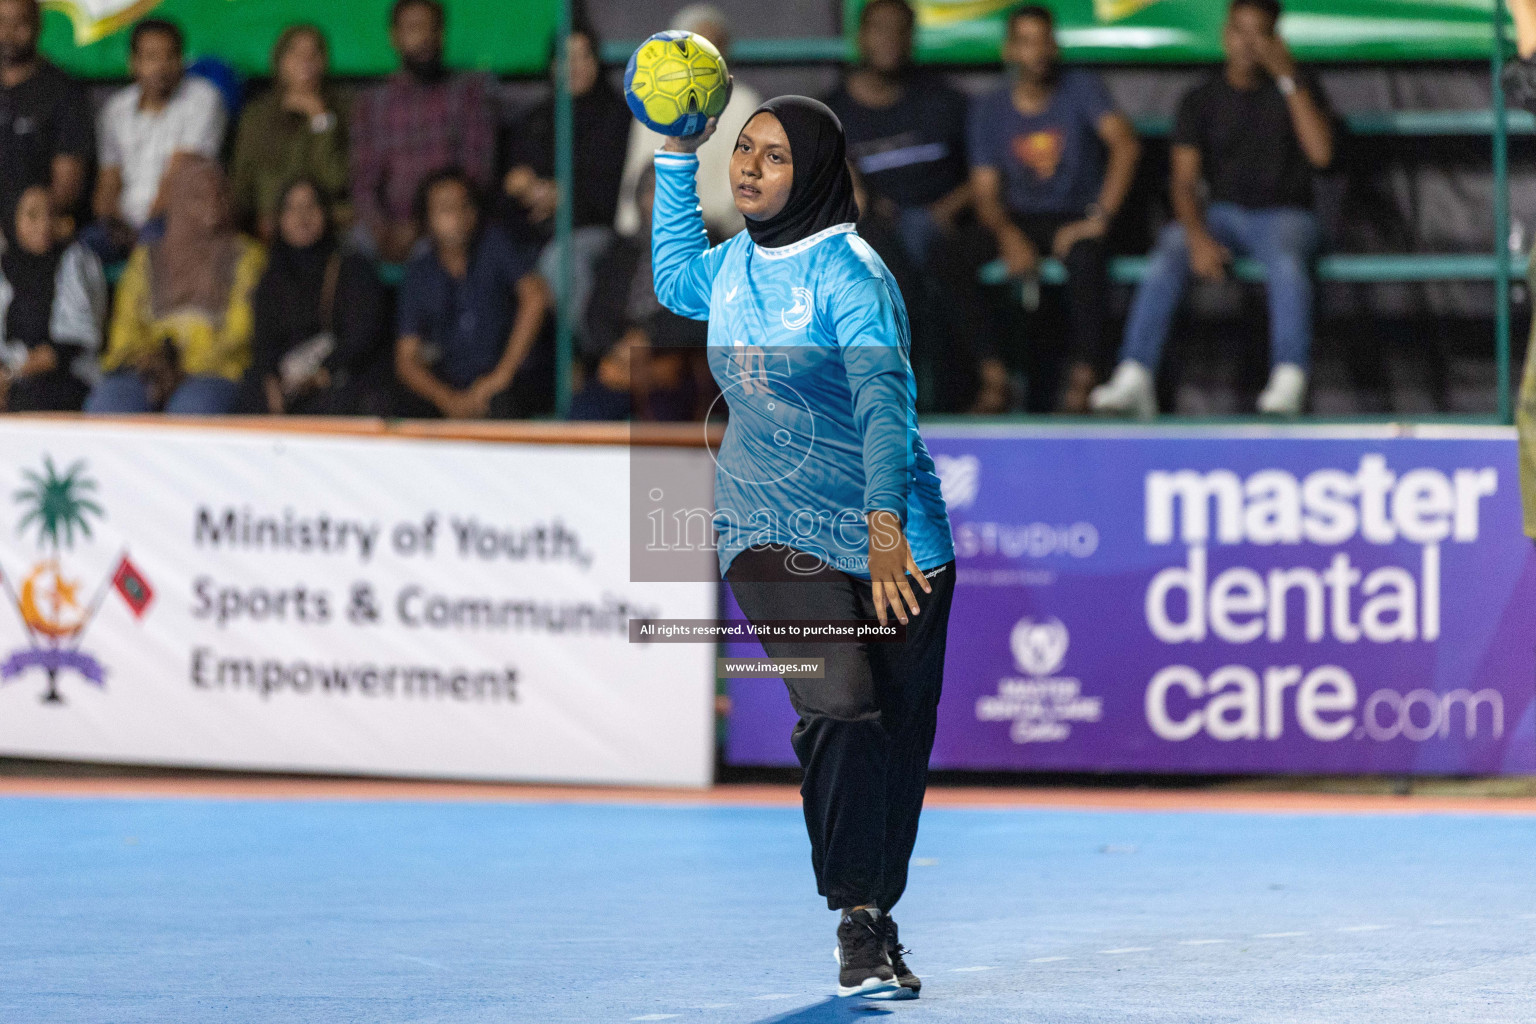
(32, 277)
(287, 302)
(822, 192)
(297, 273)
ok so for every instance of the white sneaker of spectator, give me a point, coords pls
(1285, 392)
(1128, 393)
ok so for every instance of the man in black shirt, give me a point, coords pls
(906, 142)
(1255, 132)
(906, 134)
(45, 122)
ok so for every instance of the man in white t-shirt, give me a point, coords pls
(720, 214)
(143, 128)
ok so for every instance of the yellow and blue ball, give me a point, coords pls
(675, 82)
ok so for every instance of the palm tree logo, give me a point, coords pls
(57, 503)
(59, 507)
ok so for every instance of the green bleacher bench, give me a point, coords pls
(1389, 123)
(1438, 122)
(1364, 268)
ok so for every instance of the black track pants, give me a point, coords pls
(865, 730)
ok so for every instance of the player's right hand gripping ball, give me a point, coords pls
(675, 82)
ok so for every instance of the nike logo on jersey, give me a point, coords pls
(730, 293)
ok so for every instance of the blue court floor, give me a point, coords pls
(201, 910)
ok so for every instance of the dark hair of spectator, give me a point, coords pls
(401, 6)
(34, 12)
(306, 181)
(897, 5)
(1039, 12)
(1269, 7)
(151, 26)
(440, 177)
(290, 35)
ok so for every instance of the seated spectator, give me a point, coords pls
(471, 310)
(143, 132)
(53, 301)
(181, 324)
(1051, 163)
(721, 217)
(659, 355)
(321, 318)
(906, 141)
(297, 130)
(420, 120)
(45, 122)
(606, 393)
(1254, 131)
(600, 122)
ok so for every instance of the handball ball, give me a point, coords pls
(675, 82)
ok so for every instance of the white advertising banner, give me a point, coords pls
(372, 605)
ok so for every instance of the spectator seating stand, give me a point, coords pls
(1373, 268)
(1380, 268)
(1332, 267)
(1376, 268)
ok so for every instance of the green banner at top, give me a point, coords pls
(90, 37)
(971, 31)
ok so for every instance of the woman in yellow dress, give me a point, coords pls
(181, 331)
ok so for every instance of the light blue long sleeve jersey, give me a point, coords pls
(809, 344)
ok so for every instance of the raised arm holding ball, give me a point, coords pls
(828, 505)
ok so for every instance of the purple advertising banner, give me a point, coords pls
(1307, 599)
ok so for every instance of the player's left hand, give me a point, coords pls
(890, 562)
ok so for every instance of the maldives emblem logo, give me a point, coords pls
(48, 599)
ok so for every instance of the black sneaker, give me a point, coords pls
(910, 983)
(866, 968)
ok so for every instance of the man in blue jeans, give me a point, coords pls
(1254, 133)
